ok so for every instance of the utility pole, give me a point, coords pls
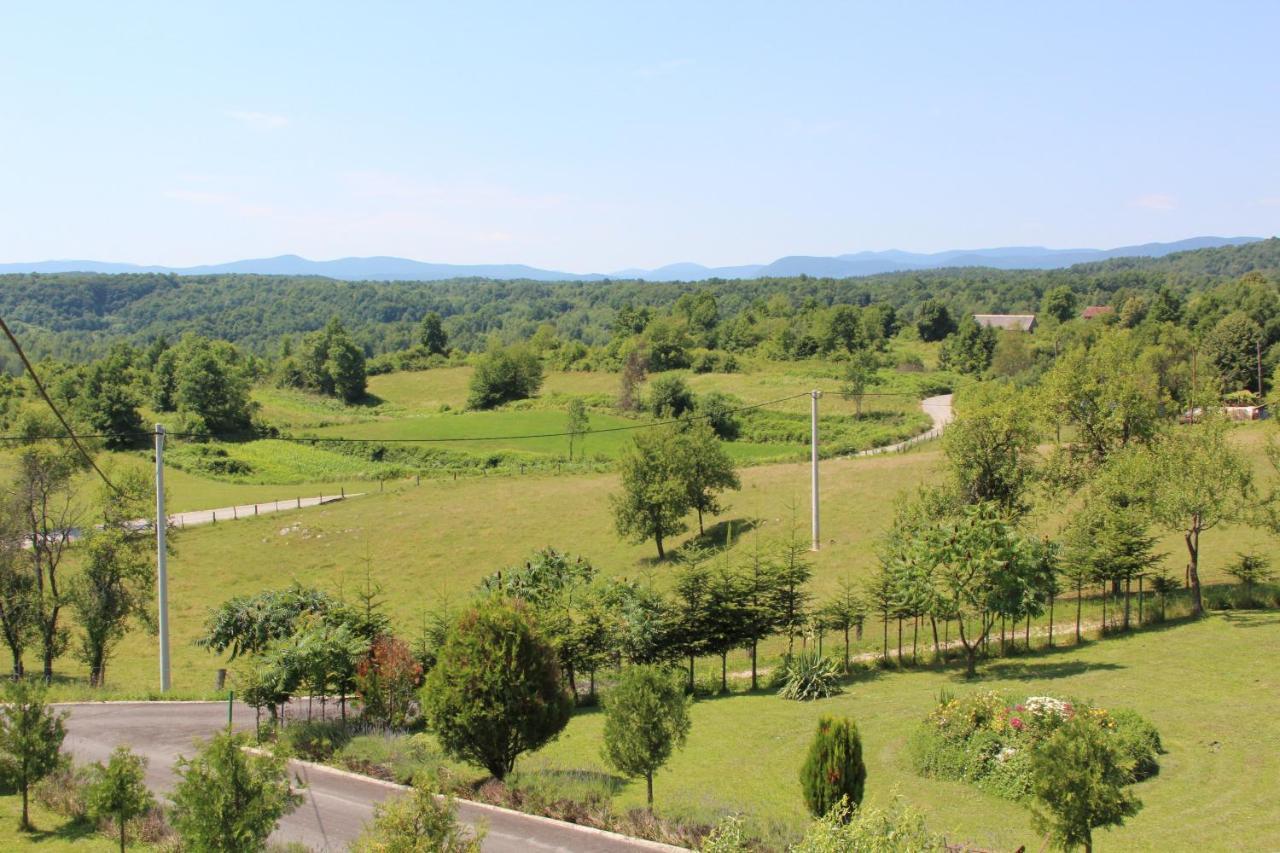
(813, 446)
(162, 571)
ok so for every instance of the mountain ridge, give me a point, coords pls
(851, 265)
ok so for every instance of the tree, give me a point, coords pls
(502, 375)
(1078, 782)
(842, 329)
(1059, 303)
(646, 717)
(421, 821)
(332, 364)
(833, 771)
(247, 624)
(791, 598)
(385, 681)
(845, 611)
(228, 799)
(41, 507)
(859, 375)
(432, 335)
(496, 690)
(18, 603)
(981, 571)
(118, 577)
(633, 372)
(655, 494)
(970, 349)
(1191, 481)
(989, 447)
(31, 736)
(704, 469)
(1231, 348)
(1110, 404)
(577, 424)
(718, 410)
(119, 790)
(107, 402)
(934, 321)
(210, 386)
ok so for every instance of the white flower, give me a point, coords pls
(1005, 754)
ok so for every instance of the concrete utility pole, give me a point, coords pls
(813, 448)
(162, 571)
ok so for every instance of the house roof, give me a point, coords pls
(1094, 310)
(1013, 322)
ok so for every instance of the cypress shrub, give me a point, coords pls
(834, 769)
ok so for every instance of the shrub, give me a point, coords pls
(1251, 569)
(418, 822)
(646, 716)
(496, 689)
(31, 736)
(386, 680)
(503, 375)
(833, 772)
(1139, 741)
(984, 739)
(228, 799)
(1077, 779)
(809, 676)
(403, 759)
(718, 409)
(897, 829)
(118, 791)
(670, 397)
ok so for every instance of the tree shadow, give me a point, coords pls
(72, 830)
(715, 536)
(1025, 670)
(560, 776)
(1250, 618)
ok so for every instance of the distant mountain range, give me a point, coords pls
(839, 266)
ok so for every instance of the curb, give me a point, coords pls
(482, 807)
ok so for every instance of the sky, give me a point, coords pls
(592, 137)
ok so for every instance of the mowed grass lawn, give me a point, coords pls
(1210, 688)
(433, 542)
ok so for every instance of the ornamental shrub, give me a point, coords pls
(496, 689)
(991, 742)
(897, 829)
(809, 676)
(833, 772)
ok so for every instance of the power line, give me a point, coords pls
(31, 371)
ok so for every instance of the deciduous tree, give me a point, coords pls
(646, 719)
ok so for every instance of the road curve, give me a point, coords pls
(939, 411)
(337, 805)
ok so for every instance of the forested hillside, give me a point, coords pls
(75, 316)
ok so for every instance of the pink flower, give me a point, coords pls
(1016, 722)
(1019, 708)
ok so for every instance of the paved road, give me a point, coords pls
(337, 804)
(938, 409)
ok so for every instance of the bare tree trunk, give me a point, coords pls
(1193, 565)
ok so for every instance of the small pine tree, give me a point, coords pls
(119, 790)
(1078, 781)
(31, 736)
(227, 799)
(646, 716)
(834, 769)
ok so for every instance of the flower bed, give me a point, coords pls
(988, 739)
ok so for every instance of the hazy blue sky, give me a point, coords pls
(596, 136)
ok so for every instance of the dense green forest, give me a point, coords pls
(75, 317)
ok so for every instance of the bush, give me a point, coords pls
(403, 759)
(898, 829)
(418, 822)
(809, 676)
(718, 409)
(990, 742)
(670, 397)
(496, 689)
(833, 773)
(1139, 741)
(503, 375)
(227, 799)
